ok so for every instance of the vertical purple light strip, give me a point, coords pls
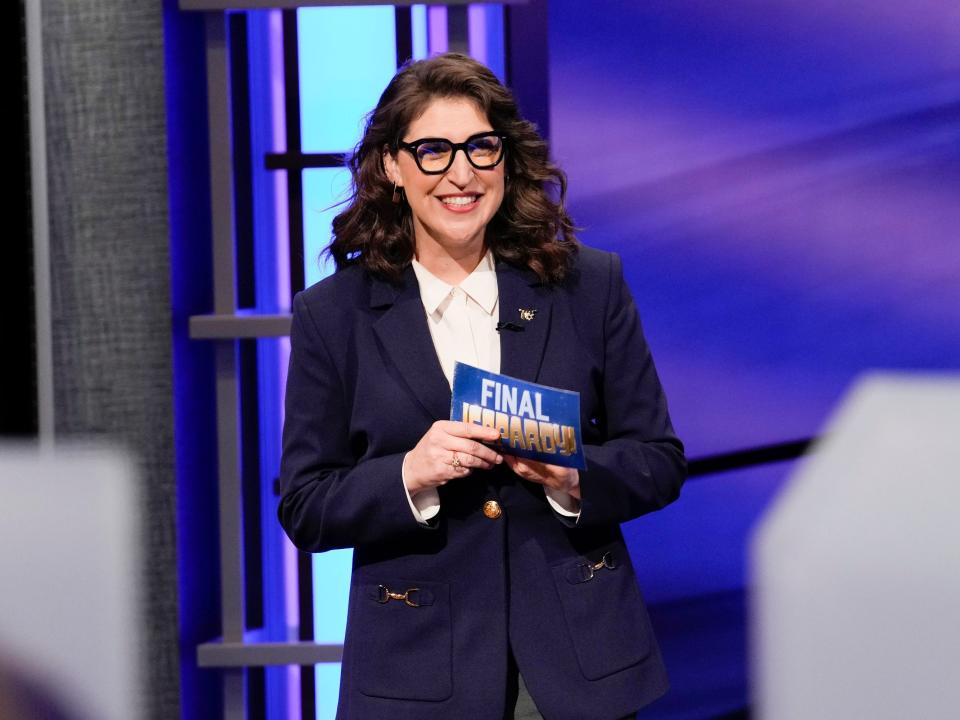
(279, 146)
(281, 238)
(477, 32)
(437, 29)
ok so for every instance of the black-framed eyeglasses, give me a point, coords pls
(434, 156)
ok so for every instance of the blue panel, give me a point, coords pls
(486, 37)
(331, 587)
(331, 590)
(323, 191)
(347, 57)
(496, 57)
(327, 684)
(418, 21)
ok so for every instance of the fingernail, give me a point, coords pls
(499, 458)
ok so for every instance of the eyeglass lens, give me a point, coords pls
(437, 155)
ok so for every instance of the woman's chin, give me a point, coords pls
(457, 239)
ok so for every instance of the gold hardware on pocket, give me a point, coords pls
(409, 597)
(587, 570)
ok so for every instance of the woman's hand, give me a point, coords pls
(555, 477)
(447, 451)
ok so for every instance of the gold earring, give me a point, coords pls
(397, 193)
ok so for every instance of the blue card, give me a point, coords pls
(535, 421)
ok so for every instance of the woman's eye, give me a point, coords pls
(433, 149)
(484, 147)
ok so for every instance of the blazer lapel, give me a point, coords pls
(526, 305)
(405, 337)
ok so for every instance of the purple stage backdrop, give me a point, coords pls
(782, 180)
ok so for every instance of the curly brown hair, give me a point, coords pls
(531, 229)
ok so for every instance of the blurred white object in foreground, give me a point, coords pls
(70, 566)
(856, 588)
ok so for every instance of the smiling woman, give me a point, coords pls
(484, 586)
(451, 208)
(452, 97)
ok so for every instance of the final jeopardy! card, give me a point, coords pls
(535, 421)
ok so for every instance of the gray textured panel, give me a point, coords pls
(227, 327)
(247, 654)
(110, 270)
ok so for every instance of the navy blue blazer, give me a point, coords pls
(364, 385)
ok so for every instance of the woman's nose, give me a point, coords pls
(460, 172)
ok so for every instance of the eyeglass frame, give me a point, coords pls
(411, 147)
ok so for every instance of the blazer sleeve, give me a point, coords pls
(641, 466)
(329, 498)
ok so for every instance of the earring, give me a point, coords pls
(397, 193)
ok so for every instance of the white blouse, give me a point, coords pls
(463, 325)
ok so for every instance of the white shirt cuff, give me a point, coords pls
(563, 503)
(425, 504)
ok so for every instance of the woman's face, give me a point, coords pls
(451, 209)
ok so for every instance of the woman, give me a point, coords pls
(482, 583)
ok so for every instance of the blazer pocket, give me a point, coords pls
(404, 640)
(605, 615)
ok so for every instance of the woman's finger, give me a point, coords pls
(468, 430)
(526, 472)
(452, 469)
(556, 477)
(472, 448)
(458, 459)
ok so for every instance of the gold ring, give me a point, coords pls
(456, 461)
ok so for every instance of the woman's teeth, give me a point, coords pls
(466, 200)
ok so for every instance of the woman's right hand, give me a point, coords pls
(447, 451)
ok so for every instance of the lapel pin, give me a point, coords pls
(527, 314)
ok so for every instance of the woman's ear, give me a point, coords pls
(391, 168)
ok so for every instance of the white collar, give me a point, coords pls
(480, 285)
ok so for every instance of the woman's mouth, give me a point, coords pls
(460, 203)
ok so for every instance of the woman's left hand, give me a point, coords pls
(555, 477)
